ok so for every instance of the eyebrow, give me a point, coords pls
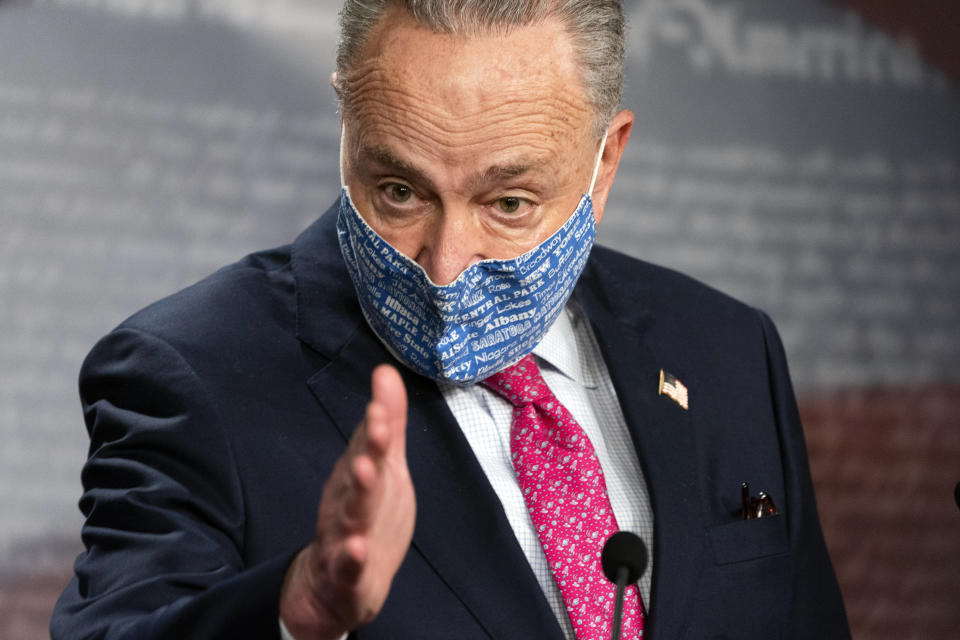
(493, 173)
(384, 156)
(501, 172)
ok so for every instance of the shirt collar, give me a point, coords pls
(560, 348)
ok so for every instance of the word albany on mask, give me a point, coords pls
(493, 314)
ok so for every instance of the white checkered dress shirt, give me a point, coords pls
(571, 364)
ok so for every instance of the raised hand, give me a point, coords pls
(364, 525)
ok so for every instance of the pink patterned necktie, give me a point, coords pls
(566, 495)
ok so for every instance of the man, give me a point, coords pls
(480, 141)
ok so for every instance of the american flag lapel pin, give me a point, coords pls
(673, 389)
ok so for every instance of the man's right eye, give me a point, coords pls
(398, 193)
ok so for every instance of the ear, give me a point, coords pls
(617, 135)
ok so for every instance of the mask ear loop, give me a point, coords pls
(343, 136)
(593, 178)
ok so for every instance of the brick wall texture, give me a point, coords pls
(885, 463)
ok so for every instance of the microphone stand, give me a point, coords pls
(622, 574)
(624, 559)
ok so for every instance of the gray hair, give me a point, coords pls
(596, 26)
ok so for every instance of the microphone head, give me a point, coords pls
(624, 549)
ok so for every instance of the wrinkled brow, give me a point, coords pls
(502, 172)
(492, 174)
(385, 157)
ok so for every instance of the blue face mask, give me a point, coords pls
(493, 314)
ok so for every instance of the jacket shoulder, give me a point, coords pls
(665, 292)
(217, 311)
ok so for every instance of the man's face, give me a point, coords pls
(460, 149)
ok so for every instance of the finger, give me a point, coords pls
(368, 448)
(366, 474)
(389, 392)
(376, 431)
(361, 500)
(350, 560)
(381, 430)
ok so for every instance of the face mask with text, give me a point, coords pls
(491, 316)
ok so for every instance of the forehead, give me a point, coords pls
(469, 93)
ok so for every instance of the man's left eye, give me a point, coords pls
(509, 205)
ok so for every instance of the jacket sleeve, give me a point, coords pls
(163, 506)
(816, 609)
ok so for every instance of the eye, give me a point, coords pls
(509, 205)
(398, 193)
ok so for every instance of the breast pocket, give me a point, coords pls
(745, 540)
(745, 592)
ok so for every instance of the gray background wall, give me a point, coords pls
(784, 152)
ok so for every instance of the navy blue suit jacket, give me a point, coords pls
(216, 415)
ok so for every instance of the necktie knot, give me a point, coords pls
(521, 384)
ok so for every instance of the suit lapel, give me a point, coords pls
(461, 530)
(662, 436)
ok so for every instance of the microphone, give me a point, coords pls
(624, 559)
